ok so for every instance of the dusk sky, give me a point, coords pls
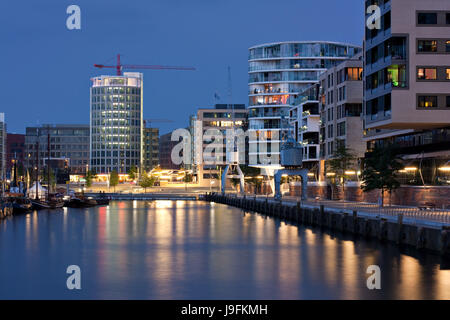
(46, 68)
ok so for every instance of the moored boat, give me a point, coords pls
(102, 200)
(19, 203)
(80, 201)
(54, 201)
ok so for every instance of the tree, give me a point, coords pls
(380, 170)
(44, 176)
(235, 182)
(91, 175)
(132, 173)
(256, 182)
(147, 182)
(187, 179)
(113, 179)
(343, 160)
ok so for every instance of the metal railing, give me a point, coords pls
(412, 215)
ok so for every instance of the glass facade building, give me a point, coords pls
(69, 149)
(278, 73)
(116, 123)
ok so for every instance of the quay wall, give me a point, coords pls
(420, 237)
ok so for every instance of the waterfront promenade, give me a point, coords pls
(430, 217)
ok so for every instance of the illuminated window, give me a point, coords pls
(427, 46)
(354, 74)
(427, 102)
(426, 74)
(447, 72)
(396, 75)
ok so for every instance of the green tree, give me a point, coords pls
(132, 173)
(147, 182)
(91, 175)
(256, 182)
(251, 173)
(235, 182)
(343, 160)
(380, 170)
(113, 179)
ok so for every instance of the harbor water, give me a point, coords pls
(201, 250)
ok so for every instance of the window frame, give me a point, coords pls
(425, 73)
(427, 13)
(424, 40)
(421, 98)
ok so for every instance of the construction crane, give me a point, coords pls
(119, 67)
(150, 121)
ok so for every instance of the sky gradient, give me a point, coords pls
(46, 68)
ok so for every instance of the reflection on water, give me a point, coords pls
(197, 250)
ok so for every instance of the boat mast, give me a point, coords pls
(37, 165)
(48, 162)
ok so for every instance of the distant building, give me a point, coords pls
(151, 148)
(116, 123)
(69, 148)
(206, 169)
(2, 147)
(165, 151)
(407, 91)
(15, 150)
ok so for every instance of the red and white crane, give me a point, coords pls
(119, 67)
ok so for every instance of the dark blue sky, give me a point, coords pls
(46, 69)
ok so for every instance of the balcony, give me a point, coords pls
(269, 113)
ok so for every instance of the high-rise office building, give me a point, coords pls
(117, 123)
(278, 72)
(407, 85)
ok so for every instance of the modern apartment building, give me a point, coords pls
(207, 166)
(407, 83)
(341, 100)
(278, 72)
(305, 118)
(69, 144)
(116, 123)
(2, 147)
(151, 148)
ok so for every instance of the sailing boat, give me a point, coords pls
(14, 197)
(51, 201)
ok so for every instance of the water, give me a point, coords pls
(197, 250)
